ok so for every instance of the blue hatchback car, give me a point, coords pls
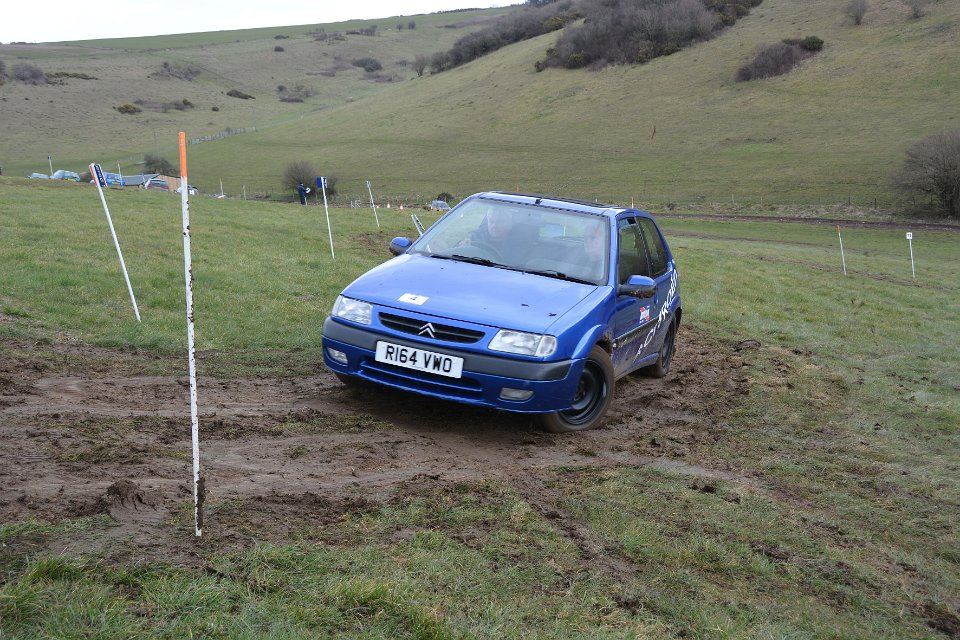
(517, 302)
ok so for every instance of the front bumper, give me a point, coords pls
(484, 376)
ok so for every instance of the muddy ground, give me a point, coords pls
(84, 435)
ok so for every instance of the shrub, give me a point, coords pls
(369, 64)
(303, 171)
(412, 25)
(932, 168)
(771, 60)
(627, 32)
(298, 93)
(281, 37)
(158, 164)
(3, 70)
(128, 109)
(28, 73)
(420, 63)
(855, 10)
(236, 93)
(278, 49)
(445, 196)
(177, 70)
(214, 108)
(918, 8)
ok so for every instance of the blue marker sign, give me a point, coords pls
(98, 172)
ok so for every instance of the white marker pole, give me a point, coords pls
(842, 258)
(913, 268)
(323, 187)
(372, 204)
(97, 174)
(50, 160)
(198, 492)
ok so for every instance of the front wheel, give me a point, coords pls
(590, 402)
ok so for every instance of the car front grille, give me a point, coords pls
(434, 330)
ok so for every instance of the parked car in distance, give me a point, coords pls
(516, 302)
(191, 190)
(439, 205)
(63, 174)
(157, 183)
(40, 176)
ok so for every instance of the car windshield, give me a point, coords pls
(557, 244)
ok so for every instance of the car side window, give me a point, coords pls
(631, 257)
(655, 249)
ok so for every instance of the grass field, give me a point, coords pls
(835, 517)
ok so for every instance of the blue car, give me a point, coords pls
(517, 302)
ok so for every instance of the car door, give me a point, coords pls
(663, 272)
(633, 317)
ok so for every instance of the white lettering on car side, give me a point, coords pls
(664, 312)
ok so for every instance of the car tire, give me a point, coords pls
(661, 367)
(593, 397)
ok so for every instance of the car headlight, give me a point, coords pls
(353, 310)
(528, 344)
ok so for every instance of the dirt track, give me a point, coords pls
(81, 441)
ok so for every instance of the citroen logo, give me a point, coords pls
(426, 330)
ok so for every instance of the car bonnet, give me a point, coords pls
(469, 292)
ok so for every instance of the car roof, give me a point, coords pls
(553, 202)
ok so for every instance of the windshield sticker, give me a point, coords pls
(413, 298)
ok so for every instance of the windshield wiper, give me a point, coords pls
(475, 260)
(553, 273)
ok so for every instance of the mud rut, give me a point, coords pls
(284, 453)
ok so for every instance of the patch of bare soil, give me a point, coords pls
(282, 453)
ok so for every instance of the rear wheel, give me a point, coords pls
(590, 402)
(661, 367)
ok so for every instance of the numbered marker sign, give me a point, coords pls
(909, 236)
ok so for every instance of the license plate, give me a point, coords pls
(412, 358)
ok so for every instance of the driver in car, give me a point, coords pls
(499, 232)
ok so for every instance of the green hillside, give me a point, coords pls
(678, 129)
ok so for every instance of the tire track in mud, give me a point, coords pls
(289, 448)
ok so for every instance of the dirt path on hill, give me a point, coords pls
(279, 454)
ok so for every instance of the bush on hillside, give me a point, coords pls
(628, 32)
(779, 58)
(369, 64)
(128, 109)
(855, 10)
(278, 49)
(522, 24)
(932, 169)
(177, 70)
(420, 63)
(412, 25)
(158, 164)
(236, 93)
(297, 93)
(28, 73)
(918, 8)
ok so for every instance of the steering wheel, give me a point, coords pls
(488, 248)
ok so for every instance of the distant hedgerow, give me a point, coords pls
(637, 31)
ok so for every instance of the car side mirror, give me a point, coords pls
(400, 245)
(638, 287)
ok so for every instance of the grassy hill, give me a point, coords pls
(678, 129)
